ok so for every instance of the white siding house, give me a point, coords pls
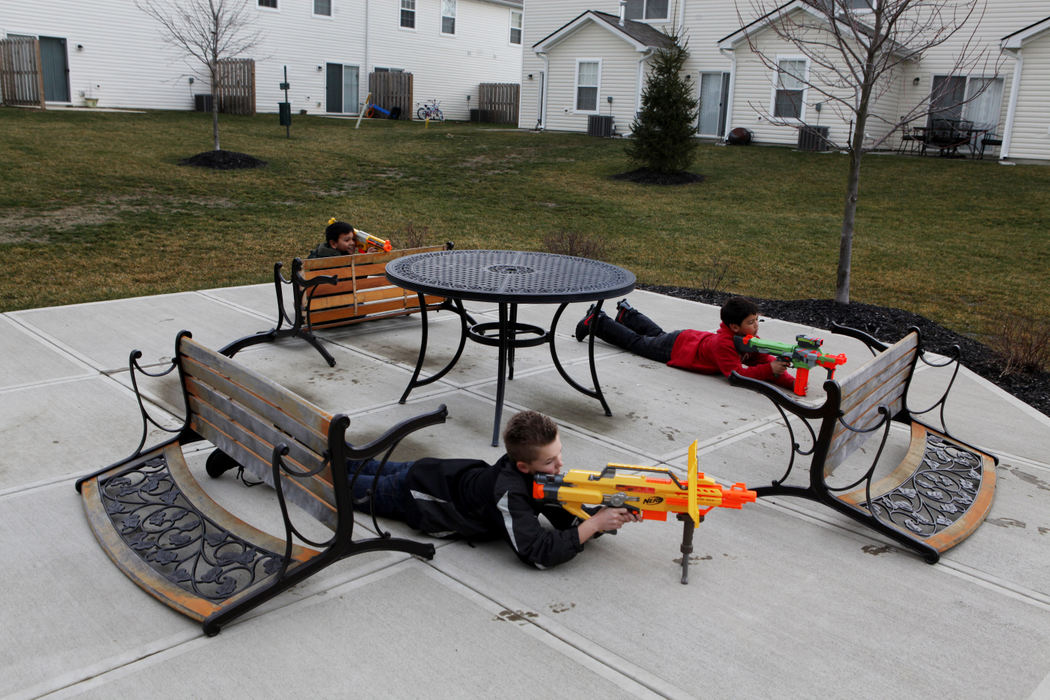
(736, 89)
(1027, 133)
(110, 50)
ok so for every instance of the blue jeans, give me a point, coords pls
(388, 495)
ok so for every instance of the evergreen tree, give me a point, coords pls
(662, 133)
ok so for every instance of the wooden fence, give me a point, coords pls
(237, 86)
(392, 89)
(21, 80)
(498, 102)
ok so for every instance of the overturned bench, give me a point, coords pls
(159, 526)
(939, 493)
(338, 291)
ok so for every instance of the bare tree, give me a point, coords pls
(856, 58)
(207, 31)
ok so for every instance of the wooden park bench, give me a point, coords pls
(335, 292)
(939, 493)
(157, 524)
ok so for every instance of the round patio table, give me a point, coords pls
(508, 278)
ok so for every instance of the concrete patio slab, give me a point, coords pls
(785, 597)
(104, 333)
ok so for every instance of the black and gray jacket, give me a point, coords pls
(479, 501)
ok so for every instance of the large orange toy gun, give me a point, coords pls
(366, 240)
(803, 356)
(651, 496)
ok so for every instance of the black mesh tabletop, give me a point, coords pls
(510, 276)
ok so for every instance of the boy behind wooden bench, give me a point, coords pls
(339, 240)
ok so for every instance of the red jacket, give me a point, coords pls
(714, 353)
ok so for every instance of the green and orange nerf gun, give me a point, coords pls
(803, 356)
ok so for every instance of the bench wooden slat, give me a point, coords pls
(350, 287)
(340, 316)
(314, 495)
(247, 387)
(882, 381)
(361, 298)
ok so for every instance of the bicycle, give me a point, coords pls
(430, 111)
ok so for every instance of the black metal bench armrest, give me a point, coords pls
(780, 398)
(394, 435)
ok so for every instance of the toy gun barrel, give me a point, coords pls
(365, 240)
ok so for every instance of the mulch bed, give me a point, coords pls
(889, 324)
(223, 160)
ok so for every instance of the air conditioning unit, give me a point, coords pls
(202, 102)
(600, 125)
(813, 138)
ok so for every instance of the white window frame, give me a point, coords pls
(576, 86)
(518, 26)
(447, 5)
(272, 8)
(645, 11)
(407, 6)
(801, 118)
(323, 14)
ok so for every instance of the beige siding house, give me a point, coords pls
(735, 89)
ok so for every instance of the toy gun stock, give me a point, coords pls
(803, 356)
(366, 240)
(642, 492)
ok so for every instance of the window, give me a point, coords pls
(448, 16)
(408, 14)
(268, 3)
(588, 75)
(790, 90)
(647, 9)
(323, 7)
(515, 27)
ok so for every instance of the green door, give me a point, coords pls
(55, 68)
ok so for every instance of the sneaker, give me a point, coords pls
(584, 326)
(622, 307)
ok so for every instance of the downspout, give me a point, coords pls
(1011, 110)
(541, 121)
(368, 4)
(732, 89)
(640, 81)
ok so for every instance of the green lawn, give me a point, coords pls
(94, 206)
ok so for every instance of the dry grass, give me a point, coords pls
(94, 206)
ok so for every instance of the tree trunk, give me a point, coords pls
(849, 216)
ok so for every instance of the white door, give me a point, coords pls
(714, 91)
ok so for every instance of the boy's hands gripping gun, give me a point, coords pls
(365, 241)
(651, 496)
(803, 356)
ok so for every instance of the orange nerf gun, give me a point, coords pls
(651, 496)
(803, 356)
(365, 241)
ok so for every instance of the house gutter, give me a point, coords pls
(1011, 110)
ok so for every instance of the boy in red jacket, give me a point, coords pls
(699, 351)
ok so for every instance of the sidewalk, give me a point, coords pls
(785, 599)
